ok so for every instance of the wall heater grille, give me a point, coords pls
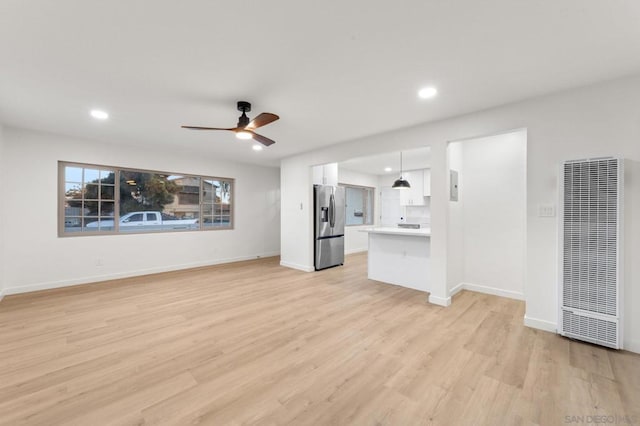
(591, 272)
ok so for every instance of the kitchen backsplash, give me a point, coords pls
(418, 214)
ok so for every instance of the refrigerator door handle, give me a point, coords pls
(332, 211)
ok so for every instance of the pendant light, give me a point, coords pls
(401, 183)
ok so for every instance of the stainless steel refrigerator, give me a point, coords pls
(329, 208)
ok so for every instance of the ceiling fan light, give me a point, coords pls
(244, 135)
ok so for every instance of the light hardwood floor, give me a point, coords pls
(256, 343)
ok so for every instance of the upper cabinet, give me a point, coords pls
(426, 188)
(326, 174)
(413, 196)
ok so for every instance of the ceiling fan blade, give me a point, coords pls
(207, 128)
(261, 120)
(263, 140)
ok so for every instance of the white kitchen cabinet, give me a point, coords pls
(413, 196)
(326, 174)
(426, 186)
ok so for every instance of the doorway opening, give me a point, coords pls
(487, 214)
(375, 175)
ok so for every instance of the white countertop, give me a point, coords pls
(421, 232)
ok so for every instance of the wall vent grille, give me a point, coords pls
(590, 256)
(591, 329)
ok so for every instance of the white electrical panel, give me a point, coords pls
(453, 185)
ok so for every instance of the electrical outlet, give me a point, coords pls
(546, 210)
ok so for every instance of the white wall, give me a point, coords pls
(455, 230)
(36, 258)
(487, 225)
(354, 240)
(2, 190)
(593, 121)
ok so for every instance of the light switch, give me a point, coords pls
(546, 210)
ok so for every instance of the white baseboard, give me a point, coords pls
(1, 295)
(545, 325)
(303, 268)
(457, 289)
(442, 301)
(486, 290)
(106, 277)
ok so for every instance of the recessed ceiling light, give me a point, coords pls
(257, 147)
(387, 169)
(427, 92)
(98, 114)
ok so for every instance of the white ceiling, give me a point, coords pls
(412, 159)
(333, 70)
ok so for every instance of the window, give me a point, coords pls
(359, 205)
(216, 204)
(90, 197)
(109, 200)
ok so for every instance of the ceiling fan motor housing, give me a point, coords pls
(244, 107)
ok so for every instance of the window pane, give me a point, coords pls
(91, 175)
(91, 208)
(91, 192)
(225, 221)
(354, 206)
(94, 224)
(359, 205)
(107, 209)
(106, 175)
(107, 192)
(73, 174)
(223, 192)
(72, 224)
(72, 188)
(160, 195)
(209, 190)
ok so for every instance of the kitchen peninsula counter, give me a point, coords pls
(400, 256)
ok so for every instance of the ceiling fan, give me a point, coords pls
(245, 128)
